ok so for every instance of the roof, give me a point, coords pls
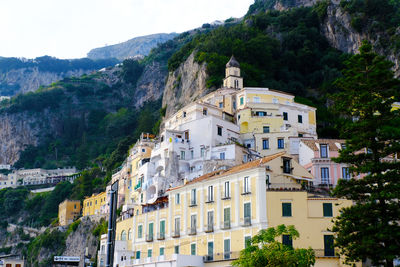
(233, 63)
(311, 143)
(235, 169)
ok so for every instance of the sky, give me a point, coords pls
(71, 28)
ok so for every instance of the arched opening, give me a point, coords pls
(123, 235)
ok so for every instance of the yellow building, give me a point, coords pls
(95, 205)
(214, 215)
(68, 211)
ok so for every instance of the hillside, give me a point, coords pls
(133, 47)
(19, 75)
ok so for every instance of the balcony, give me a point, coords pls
(226, 225)
(209, 200)
(192, 231)
(176, 234)
(208, 228)
(245, 191)
(149, 238)
(160, 236)
(326, 253)
(229, 255)
(246, 221)
(225, 196)
(193, 203)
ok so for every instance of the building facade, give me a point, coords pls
(95, 205)
(68, 211)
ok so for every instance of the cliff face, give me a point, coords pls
(30, 79)
(133, 47)
(184, 85)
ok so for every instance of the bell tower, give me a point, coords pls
(232, 75)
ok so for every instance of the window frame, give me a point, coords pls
(287, 209)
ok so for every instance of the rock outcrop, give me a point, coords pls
(185, 85)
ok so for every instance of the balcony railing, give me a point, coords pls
(225, 196)
(191, 230)
(149, 238)
(176, 234)
(226, 225)
(325, 253)
(161, 236)
(208, 228)
(192, 203)
(231, 255)
(246, 221)
(210, 200)
(246, 190)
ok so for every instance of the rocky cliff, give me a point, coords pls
(133, 47)
(184, 85)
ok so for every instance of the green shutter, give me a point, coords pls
(247, 210)
(162, 227)
(327, 209)
(150, 229)
(287, 240)
(149, 253)
(328, 245)
(137, 254)
(161, 251)
(286, 209)
(193, 249)
(227, 215)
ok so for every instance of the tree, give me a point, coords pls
(263, 250)
(370, 228)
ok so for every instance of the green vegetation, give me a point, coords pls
(280, 50)
(101, 228)
(263, 250)
(370, 228)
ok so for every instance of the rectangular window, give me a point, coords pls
(210, 219)
(183, 155)
(324, 150)
(281, 143)
(137, 254)
(265, 129)
(227, 249)
(226, 190)
(177, 199)
(327, 208)
(287, 240)
(176, 249)
(256, 99)
(210, 251)
(162, 228)
(210, 193)
(221, 104)
(193, 197)
(184, 114)
(202, 151)
(287, 166)
(247, 210)
(286, 209)
(285, 116)
(265, 143)
(162, 251)
(247, 241)
(227, 217)
(192, 154)
(219, 130)
(246, 188)
(177, 225)
(328, 245)
(140, 231)
(193, 223)
(222, 155)
(149, 253)
(241, 101)
(346, 173)
(151, 225)
(300, 119)
(325, 175)
(193, 249)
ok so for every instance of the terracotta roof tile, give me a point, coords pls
(235, 169)
(311, 143)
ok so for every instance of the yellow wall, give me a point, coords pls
(68, 210)
(92, 205)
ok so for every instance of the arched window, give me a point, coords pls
(123, 235)
(130, 234)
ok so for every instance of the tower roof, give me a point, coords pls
(233, 63)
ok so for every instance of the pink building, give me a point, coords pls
(316, 156)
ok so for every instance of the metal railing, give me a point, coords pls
(245, 190)
(192, 203)
(246, 221)
(226, 225)
(208, 228)
(225, 195)
(325, 253)
(160, 236)
(149, 237)
(229, 255)
(192, 231)
(176, 234)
